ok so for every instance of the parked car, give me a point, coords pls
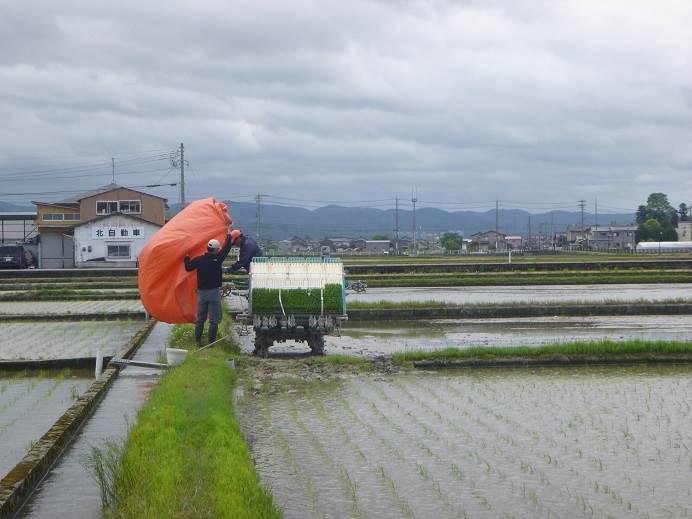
(13, 256)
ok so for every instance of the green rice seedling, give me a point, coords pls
(405, 508)
(105, 465)
(347, 483)
(74, 392)
(343, 432)
(456, 472)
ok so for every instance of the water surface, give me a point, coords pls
(548, 442)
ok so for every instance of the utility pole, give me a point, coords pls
(113, 169)
(414, 199)
(529, 240)
(396, 226)
(182, 176)
(497, 216)
(596, 212)
(258, 216)
(582, 204)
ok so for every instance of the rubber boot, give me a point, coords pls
(213, 327)
(199, 328)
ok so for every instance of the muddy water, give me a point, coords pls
(69, 490)
(579, 442)
(534, 294)
(29, 405)
(378, 338)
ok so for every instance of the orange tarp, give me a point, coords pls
(166, 288)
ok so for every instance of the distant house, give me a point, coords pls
(401, 245)
(513, 242)
(335, 244)
(489, 241)
(377, 246)
(293, 246)
(607, 237)
(56, 222)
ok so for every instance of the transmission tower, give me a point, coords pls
(414, 199)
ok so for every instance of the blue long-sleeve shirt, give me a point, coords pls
(248, 250)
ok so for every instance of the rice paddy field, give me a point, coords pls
(30, 402)
(548, 442)
(63, 340)
(39, 308)
(528, 294)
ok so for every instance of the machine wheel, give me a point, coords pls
(316, 343)
(262, 344)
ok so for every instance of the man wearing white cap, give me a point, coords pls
(209, 280)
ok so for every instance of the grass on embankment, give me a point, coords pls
(592, 349)
(185, 456)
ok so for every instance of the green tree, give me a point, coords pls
(652, 230)
(683, 212)
(641, 214)
(658, 207)
(451, 241)
(380, 237)
(657, 219)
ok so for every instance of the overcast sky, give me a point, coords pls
(537, 103)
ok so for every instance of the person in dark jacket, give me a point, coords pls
(209, 280)
(248, 250)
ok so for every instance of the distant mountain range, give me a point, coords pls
(280, 222)
(7, 207)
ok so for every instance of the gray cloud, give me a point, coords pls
(470, 101)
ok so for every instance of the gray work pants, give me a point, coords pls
(208, 303)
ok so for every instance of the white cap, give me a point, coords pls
(213, 245)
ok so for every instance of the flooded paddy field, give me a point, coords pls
(532, 294)
(30, 402)
(547, 442)
(69, 490)
(64, 340)
(371, 338)
(68, 307)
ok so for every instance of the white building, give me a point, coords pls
(115, 239)
(659, 247)
(684, 230)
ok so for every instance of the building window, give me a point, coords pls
(106, 207)
(130, 206)
(118, 251)
(58, 217)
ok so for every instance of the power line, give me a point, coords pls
(101, 165)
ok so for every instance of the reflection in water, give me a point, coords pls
(531, 293)
(548, 442)
(378, 338)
